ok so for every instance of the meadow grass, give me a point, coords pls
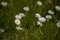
(31, 31)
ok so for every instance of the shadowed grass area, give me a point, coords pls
(31, 31)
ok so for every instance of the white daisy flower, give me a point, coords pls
(39, 3)
(22, 14)
(50, 12)
(4, 3)
(2, 30)
(18, 17)
(57, 8)
(19, 28)
(26, 9)
(39, 23)
(17, 22)
(42, 19)
(37, 15)
(48, 17)
(58, 24)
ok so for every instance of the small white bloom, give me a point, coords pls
(37, 15)
(18, 17)
(26, 9)
(50, 12)
(22, 14)
(17, 22)
(2, 30)
(4, 3)
(39, 3)
(39, 23)
(58, 24)
(19, 28)
(57, 8)
(48, 17)
(42, 19)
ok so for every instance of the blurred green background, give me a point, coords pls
(49, 31)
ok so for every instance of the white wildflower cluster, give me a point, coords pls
(58, 24)
(26, 8)
(37, 15)
(3, 3)
(39, 23)
(19, 28)
(43, 19)
(39, 3)
(57, 8)
(17, 20)
(19, 17)
(2, 30)
(50, 14)
(40, 19)
(48, 17)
